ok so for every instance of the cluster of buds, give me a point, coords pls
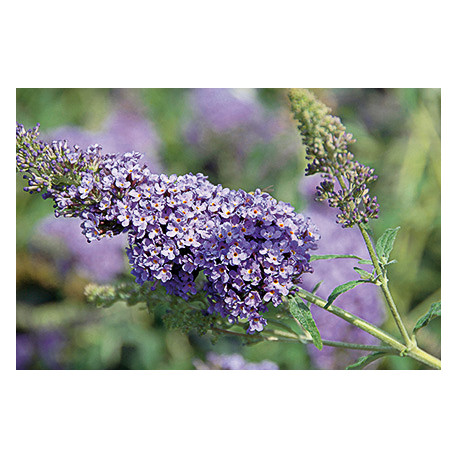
(57, 171)
(345, 181)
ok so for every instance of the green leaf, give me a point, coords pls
(433, 312)
(364, 361)
(315, 288)
(317, 257)
(364, 274)
(301, 312)
(342, 289)
(385, 244)
(365, 261)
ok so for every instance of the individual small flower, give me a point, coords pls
(231, 362)
(345, 181)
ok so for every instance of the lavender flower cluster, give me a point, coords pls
(326, 142)
(251, 248)
(234, 362)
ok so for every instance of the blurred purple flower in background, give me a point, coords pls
(61, 238)
(231, 362)
(24, 351)
(45, 346)
(49, 346)
(124, 130)
(235, 118)
(363, 301)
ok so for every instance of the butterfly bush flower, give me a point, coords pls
(206, 228)
(251, 248)
(232, 362)
(363, 301)
(345, 181)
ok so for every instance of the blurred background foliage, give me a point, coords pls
(251, 144)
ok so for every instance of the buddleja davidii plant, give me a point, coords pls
(180, 226)
(345, 187)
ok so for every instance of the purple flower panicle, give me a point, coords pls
(251, 248)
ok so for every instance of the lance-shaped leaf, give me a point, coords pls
(385, 244)
(315, 288)
(365, 261)
(301, 312)
(433, 312)
(364, 274)
(317, 257)
(342, 289)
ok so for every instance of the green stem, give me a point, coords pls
(384, 286)
(414, 352)
(382, 278)
(367, 360)
(353, 319)
(278, 335)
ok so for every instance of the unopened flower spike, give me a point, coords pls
(345, 181)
